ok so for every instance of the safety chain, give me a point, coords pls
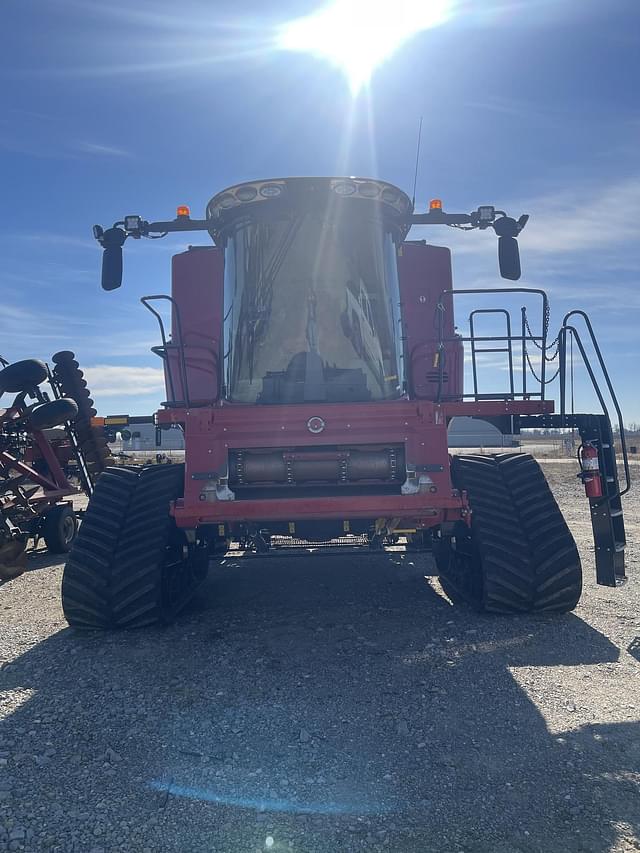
(555, 343)
(534, 374)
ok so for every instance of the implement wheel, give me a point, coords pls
(130, 565)
(22, 375)
(59, 529)
(518, 556)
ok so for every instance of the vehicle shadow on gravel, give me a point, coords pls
(43, 559)
(305, 705)
(37, 559)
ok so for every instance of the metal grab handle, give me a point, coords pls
(563, 364)
(474, 350)
(182, 360)
(440, 310)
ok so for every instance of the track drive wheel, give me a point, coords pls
(130, 565)
(518, 555)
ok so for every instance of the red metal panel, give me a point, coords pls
(454, 408)
(211, 432)
(197, 288)
(421, 426)
(425, 509)
(424, 272)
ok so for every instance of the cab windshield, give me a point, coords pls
(311, 307)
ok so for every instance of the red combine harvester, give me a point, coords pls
(314, 366)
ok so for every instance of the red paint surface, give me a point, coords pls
(197, 288)
(424, 272)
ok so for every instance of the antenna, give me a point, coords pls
(415, 176)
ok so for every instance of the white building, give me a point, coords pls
(148, 437)
(471, 432)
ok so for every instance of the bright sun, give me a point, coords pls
(358, 35)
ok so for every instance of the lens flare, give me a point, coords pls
(359, 35)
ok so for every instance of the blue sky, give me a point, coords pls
(121, 108)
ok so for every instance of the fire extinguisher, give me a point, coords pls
(590, 470)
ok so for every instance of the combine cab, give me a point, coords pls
(314, 366)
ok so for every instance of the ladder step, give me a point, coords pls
(619, 546)
(616, 513)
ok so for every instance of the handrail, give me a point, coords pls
(183, 367)
(508, 350)
(563, 364)
(440, 309)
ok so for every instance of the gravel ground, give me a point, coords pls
(310, 706)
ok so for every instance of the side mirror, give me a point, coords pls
(509, 258)
(112, 241)
(112, 267)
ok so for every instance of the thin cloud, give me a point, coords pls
(590, 218)
(520, 109)
(191, 56)
(51, 239)
(29, 140)
(101, 150)
(32, 331)
(106, 380)
(119, 345)
(586, 218)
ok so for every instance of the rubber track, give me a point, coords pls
(140, 555)
(528, 556)
(86, 593)
(113, 576)
(558, 572)
(507, 577)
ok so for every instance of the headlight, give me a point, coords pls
(132, 223)
(270, 190)
(246, 193)
(345, 188)
(369, 190)
(226, 201)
